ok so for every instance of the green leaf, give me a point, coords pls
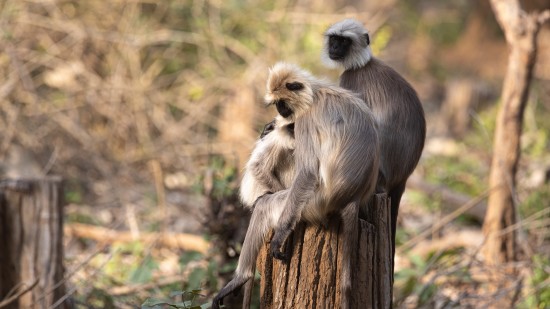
(418, 261)
(212, 274)
(197, 276)
(144, 272)
(228, 267)
(406, 273)
(427, 293)
(196, 292)
(151, 302)
(190, 256)
(177, 293)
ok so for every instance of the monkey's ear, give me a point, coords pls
(294, 86)
(367, 38)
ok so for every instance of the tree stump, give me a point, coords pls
(31, 243)
(311, 278)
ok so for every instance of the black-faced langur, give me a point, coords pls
(395, 104)
(336, 155)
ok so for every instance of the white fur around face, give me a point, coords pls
(281, 74)
(360, 52)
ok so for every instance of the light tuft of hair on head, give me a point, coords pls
(282, 74)
(359, 54)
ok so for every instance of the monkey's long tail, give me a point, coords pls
(248, 288)
(350, 225)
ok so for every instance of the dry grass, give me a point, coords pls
(118, 96)
(112, 85)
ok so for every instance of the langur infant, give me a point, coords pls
(271, 164)
(269, 169)
(395, 104)
(336, 155)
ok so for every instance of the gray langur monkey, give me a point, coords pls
(269, 169)
(271, 164)
(336, 155)
(395, 104)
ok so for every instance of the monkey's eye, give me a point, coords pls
(294, 86)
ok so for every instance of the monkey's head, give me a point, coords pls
(289, 89)
(347, 44)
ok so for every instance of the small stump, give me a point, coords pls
(311, 278)
(31, 243)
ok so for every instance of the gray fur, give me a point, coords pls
(336, 164)
(398, 111)
(271, 164)
(269, 169)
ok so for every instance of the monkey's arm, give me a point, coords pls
(301, 192)
(303, 188)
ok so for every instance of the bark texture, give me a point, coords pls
(31, 243)
(521, 31)
(311, 278)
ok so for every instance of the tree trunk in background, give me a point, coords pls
(520, 30)
(311, 279)
(31, 243)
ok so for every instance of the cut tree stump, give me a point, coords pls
(31, 243)
(311, 278)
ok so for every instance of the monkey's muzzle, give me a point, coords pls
(282, 108)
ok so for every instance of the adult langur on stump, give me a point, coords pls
(393, 101)
(336, 165)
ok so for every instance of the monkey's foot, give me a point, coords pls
(232, 287)
(276, 251)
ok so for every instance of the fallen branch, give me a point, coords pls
(170, 240)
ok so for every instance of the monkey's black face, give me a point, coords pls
(283, 109)
(338, 47)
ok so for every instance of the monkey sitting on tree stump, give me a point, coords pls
(309, 279)
(336, 166)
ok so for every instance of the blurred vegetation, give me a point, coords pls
(100, 90)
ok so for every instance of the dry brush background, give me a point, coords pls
(149, 108)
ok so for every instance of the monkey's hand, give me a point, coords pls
(232, 287)
(268, 128)
(276, 251)
(277, 245)
(217, 302)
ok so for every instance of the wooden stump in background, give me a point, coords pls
(311, 278)
(31, 243)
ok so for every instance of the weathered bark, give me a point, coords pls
(520, 30)
(311, 278)
(31, 243)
